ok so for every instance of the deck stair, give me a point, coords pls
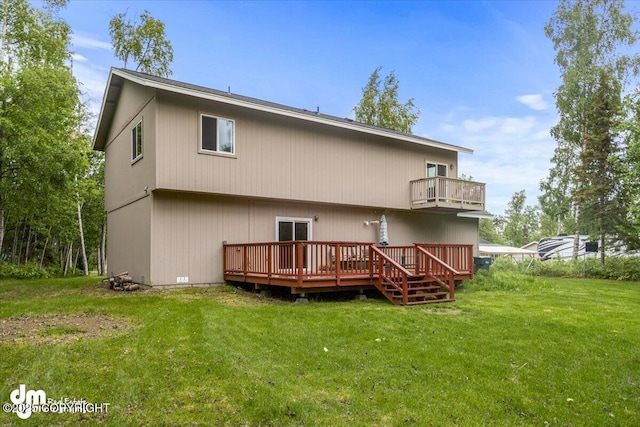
(428, 283)
(421, 273)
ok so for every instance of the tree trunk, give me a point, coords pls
(82, 247)
(19, 254)
(44, 249)
(75, 261)
(14, 248)
(576, 244)
(602, 237)
(26, 251)
(1, 224)
(68, 258)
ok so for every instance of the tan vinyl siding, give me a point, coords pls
(284, 158)
(126, 181)
(128, 245)
(189, 229)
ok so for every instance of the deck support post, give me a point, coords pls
(299, 247)
(361, 296)
(338, 263)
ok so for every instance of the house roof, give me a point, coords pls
(118, 75)
(487, 248)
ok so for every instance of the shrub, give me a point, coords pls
(504, 275)
(26, 271)
(616, 268)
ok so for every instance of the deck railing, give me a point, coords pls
(441, 191)
(305, 260)
(298, 260)
(434, 267)
(391, 276)
(457, 256)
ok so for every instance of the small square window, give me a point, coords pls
(136, 142)
(217, 134)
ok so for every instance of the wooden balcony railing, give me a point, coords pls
(450, 193)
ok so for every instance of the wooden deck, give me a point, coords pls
(417, 274)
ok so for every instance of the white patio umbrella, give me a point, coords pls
(384, 233)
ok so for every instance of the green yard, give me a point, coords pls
(550, 352)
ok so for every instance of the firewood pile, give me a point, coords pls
(122, 282)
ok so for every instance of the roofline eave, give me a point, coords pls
(302, 115)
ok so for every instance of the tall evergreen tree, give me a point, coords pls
(599, 170)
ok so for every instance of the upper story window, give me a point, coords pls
(217, 135)
(136, 142)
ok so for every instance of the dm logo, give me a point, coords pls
(25, 400)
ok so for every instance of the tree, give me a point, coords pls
(588, 36)
(143, 42)
(491, 230)
(630, 234)
(380, 106)
(521, 222)
(599, 170)
(43, 140)
(39, 109)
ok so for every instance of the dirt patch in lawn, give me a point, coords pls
(61, 328)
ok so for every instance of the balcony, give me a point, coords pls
(447, 195)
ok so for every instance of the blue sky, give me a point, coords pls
(481, 72)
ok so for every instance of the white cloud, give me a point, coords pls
(533, 101)
(510, 153)
(479, 125)
(516, 125)
(79, 58)
(90, 43)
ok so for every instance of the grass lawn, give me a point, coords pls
(551, 352)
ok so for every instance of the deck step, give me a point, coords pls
(423, 288)
(424, 295)
(433, 301)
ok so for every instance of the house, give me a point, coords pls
(532, 246)
(191, 171)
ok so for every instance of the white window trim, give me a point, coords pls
(215, 152)
(309, 221)
(132, 143)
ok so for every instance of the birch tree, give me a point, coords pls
(380, 106)
(142, 42)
